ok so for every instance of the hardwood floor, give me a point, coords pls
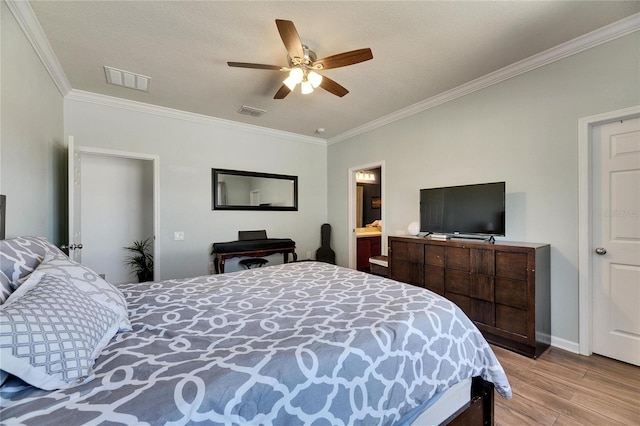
(562, 388)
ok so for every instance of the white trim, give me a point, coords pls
(155, 159)
(30, 25)
(585, 282)
(567, 345)
(110, 101)
(351, 210)
(602, 35)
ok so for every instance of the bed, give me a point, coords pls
(297, 343)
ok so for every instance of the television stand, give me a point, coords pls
(505, 288)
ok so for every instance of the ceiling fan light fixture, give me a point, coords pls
(306, 87)
(290, 83)
(315, 79)
(295, 76)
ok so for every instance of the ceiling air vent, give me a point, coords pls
(254, 112)
(127, 79)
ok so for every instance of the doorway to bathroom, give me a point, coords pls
(366, 214)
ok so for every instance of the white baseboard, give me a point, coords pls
(566, 345)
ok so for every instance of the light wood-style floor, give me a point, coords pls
(562, 388)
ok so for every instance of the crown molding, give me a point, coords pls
(30, 25)
(602, 35)
(113, 102)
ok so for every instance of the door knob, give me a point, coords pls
(601, 251)
(71, 246)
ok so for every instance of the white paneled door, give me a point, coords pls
(113, 201)
(73, 181)
(616, 240)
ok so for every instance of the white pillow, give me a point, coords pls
(51, 333)
(88, 282)
(19, 257)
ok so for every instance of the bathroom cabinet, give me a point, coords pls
(367, 247)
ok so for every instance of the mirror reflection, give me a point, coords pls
(243, 190)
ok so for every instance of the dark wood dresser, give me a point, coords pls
(503, 287)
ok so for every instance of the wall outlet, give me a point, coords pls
(178, 236)
(308, 255)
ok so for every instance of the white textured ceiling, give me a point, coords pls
(420, 49)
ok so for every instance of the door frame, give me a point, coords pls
(585, 225)
(352, 209)
(155, 161)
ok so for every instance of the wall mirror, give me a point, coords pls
(241, 190)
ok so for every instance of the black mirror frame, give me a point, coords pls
(214, 190)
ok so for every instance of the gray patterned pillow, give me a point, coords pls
(19, 257)
(87, 281)
(5, 288)
(51, 334)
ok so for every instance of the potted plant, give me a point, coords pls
(141, 261)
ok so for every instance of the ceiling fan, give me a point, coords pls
(303, 64)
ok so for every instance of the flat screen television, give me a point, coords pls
(466, 210)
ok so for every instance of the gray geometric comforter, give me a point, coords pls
(299, 343)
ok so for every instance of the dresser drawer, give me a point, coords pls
(463, 302)
(457, 281)
(482, 287)
(434, 279)
(406, 272)
(434, 255)
(511, 293)
(511, 319)
(511, 265)
(408, 252)
(482, 312)
(458, 258)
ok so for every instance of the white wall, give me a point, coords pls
(523, 131)
(32, 155)
(188, 150)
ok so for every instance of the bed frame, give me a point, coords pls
(3, 207)
(479, 410)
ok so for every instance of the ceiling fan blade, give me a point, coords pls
(333, 87)
(290, 38)
(344, 59)
(282, 92)
(255, 66)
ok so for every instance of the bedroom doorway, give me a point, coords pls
(113, 201)
(610, 235)
(366, 206)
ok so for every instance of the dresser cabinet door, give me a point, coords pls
(406, 262)
(434, 268)
(434, 279)
(511, 293)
